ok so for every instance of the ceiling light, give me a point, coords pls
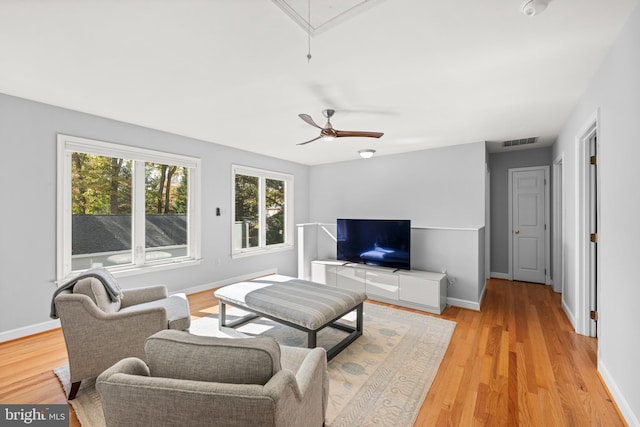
(534, 7)
(366, 153)
(328, 138)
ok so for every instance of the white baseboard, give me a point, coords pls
(463, 303)
(569, 314)
(29, 330)
(504, 276)
(54, 324)
(484, 290)
(618, 397)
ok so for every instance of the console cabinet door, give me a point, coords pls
(323, 273)
(420, 290)
(350, 278)
(382, 284)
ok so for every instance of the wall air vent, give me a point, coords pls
(523, 141)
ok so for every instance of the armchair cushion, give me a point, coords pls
(110, 284)
(178, 354)
(94, 289)
(176, 306)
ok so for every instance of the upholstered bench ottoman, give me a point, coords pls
(300, 304)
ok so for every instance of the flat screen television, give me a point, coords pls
(381, 242)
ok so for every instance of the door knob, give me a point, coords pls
(517, 231)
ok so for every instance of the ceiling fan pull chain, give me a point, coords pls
(309, 30)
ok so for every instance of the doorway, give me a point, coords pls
(529, 252)
(587, 233)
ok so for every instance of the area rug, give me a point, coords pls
(380, 379)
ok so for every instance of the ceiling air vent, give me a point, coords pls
(523, 141)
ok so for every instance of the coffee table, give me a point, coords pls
(300, 304)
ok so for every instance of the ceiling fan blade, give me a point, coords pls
(311, 140)
(347, 133)
(307, 118)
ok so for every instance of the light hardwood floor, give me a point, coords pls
(517, 362)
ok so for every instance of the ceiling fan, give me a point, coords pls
(328, 133)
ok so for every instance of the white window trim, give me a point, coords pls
(264, 174)
(68, 144)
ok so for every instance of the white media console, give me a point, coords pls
(421, 290)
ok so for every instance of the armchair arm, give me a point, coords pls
(141, 295)
(307, 365)
(282, 384)
(313, 366)
(302, 396)
(127, 366)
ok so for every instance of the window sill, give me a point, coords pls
(150, 268)
(138, 270)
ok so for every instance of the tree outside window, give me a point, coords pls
(262, 201)
(247, 224)
(101, 191)
(102, 214)
(122, 207)
(275, 211)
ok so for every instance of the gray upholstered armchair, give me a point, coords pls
(206, 381)
(100, 329)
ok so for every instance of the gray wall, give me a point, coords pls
(442, 191)
(613, 94)
(441, 187)
(499, 165)
(28, 219)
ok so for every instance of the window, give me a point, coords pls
(122, 207)
(262, 211)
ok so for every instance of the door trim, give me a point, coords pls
(582, 288)
(558, 224)
(487, 224)
(547, 245)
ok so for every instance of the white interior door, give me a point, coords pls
(528, 225)
(593, 228)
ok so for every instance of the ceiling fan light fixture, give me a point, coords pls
(328, 138)
(366, 153)
(534, 7)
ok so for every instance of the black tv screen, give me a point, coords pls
(381, 242)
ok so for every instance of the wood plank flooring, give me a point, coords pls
(517, 362)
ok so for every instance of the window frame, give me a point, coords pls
(263, 175)
(68, 144)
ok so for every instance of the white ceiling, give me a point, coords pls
(235, 72)
(326, 13)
